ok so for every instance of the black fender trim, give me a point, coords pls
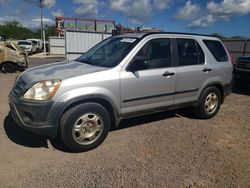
(59, 109)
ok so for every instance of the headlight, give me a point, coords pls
(44, 90)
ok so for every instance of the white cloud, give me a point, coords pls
(161, 4)
(49, 3)
(203, 22)
(223, 10)
(228, 8)
(87, 8)
(188, 12)
(45, 20)
(138, 11)
(119, 5)
(57, 13)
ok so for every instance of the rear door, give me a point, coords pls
(220, 60)
(152, 84)
(191, 69)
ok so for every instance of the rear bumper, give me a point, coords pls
(227, 89)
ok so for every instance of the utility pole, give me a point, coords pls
(41, 5)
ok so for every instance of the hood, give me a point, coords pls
(60, 70)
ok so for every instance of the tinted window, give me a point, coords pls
(154, 54)
(217, 50)
(189, 52)
(24, 43)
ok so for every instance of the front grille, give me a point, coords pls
(243, 65)
(18, 87)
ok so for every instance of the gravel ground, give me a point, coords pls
(170, 149)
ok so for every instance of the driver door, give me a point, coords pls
(149, 80)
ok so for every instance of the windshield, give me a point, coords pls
(108, 53)
(34, 42)
(24, 43)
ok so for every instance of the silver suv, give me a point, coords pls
(123, 76)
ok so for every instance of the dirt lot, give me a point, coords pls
(169, 149)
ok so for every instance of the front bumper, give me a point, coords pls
(33, 117)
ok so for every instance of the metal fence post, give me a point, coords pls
(244, 48)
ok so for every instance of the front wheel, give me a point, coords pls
(84, 127)
(209, 103)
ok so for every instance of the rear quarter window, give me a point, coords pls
(217, 50)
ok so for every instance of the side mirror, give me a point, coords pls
(137, 64)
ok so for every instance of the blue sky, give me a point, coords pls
(228, 17)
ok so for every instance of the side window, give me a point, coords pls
(201, 55)
(217, 50)
(154, 54)
(10, 47)
(189, 52)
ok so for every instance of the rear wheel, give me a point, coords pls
(8, 67)
(84, 127)
(209, 103)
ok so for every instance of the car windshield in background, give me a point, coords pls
(109, 52)
(34, 42)
(24, 43)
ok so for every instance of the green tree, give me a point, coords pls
(218, 35)
(14, 30)
(237, 37)
(50, 30)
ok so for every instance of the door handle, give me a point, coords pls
(168, 73)
(207, 70)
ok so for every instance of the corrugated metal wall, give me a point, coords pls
(57, 45)
(238, 47)
(78, 42)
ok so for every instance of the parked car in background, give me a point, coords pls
(12, 57)
(38, 43)
(123, 76)
(242, 69)
(27, 46)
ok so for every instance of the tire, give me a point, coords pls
(209, 103)
(8, 67)
(84, 127)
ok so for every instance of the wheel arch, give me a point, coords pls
(102, 100)
(218, 85)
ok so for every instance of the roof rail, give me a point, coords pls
(178, 33)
